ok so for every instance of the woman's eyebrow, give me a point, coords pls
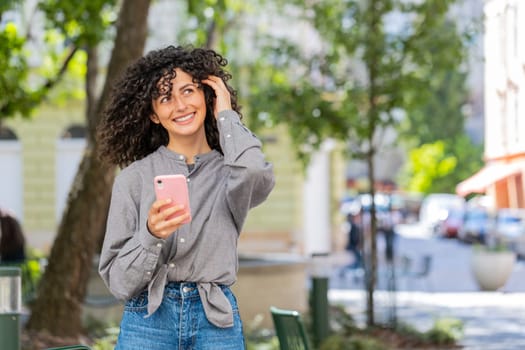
(186, 85)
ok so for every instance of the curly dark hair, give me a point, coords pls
(126, 133)
(12, 239)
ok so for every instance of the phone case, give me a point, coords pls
(176, 188)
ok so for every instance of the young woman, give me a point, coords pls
(173, 112)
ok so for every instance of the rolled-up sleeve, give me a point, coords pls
(251, 177)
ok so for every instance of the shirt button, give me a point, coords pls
(181, 157)
(221, 119)
(182, 240)
(148, 272)
(159, 245)
(172, 265)
(228, 135)
(188, 179)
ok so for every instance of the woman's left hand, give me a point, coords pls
(223, 98)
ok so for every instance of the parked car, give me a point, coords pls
(509, 229)
(450, 225)
(475, 226)
(435, 209)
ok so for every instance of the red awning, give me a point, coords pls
(488, 175)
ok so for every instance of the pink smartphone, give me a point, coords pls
(176, 188)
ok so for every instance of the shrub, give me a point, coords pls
(356, 342)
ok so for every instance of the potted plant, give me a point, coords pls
(492, 265)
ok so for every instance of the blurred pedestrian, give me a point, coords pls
(353, 244)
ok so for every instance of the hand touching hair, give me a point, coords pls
(126, 133)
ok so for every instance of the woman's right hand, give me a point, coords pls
(158, 223)
(222, 94)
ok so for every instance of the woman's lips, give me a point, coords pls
(184, 118)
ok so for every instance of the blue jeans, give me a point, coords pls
(178, 324)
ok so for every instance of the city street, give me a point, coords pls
(492, 320)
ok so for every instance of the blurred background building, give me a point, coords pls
(502, 178)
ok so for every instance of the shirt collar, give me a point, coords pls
(199, 158)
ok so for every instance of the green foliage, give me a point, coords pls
(446, 91)
(106, 336)
(426, 122)
(258, 337)
(368, 76)
(341, 321)
(440, 166)
(33, 272)
(6, 5)
(267, 344)
(445, 331)
(493, 246)
(339, 342)
(69, 27)
(81, 23)
(347, 336)
(30, 272)
(469, 155)
(15, 92)
(212, 23)
(429, 163)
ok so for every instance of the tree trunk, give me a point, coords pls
(371, 264)
(374, 54)
(58, 306)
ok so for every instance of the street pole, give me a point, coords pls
(319, 298)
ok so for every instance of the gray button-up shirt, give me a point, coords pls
(221, 188)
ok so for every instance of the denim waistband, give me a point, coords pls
(179, 286)
(186, 287)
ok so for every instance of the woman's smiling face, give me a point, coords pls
(182, 112)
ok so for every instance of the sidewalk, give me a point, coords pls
(492, 320)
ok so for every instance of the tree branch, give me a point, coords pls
(52, 82)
